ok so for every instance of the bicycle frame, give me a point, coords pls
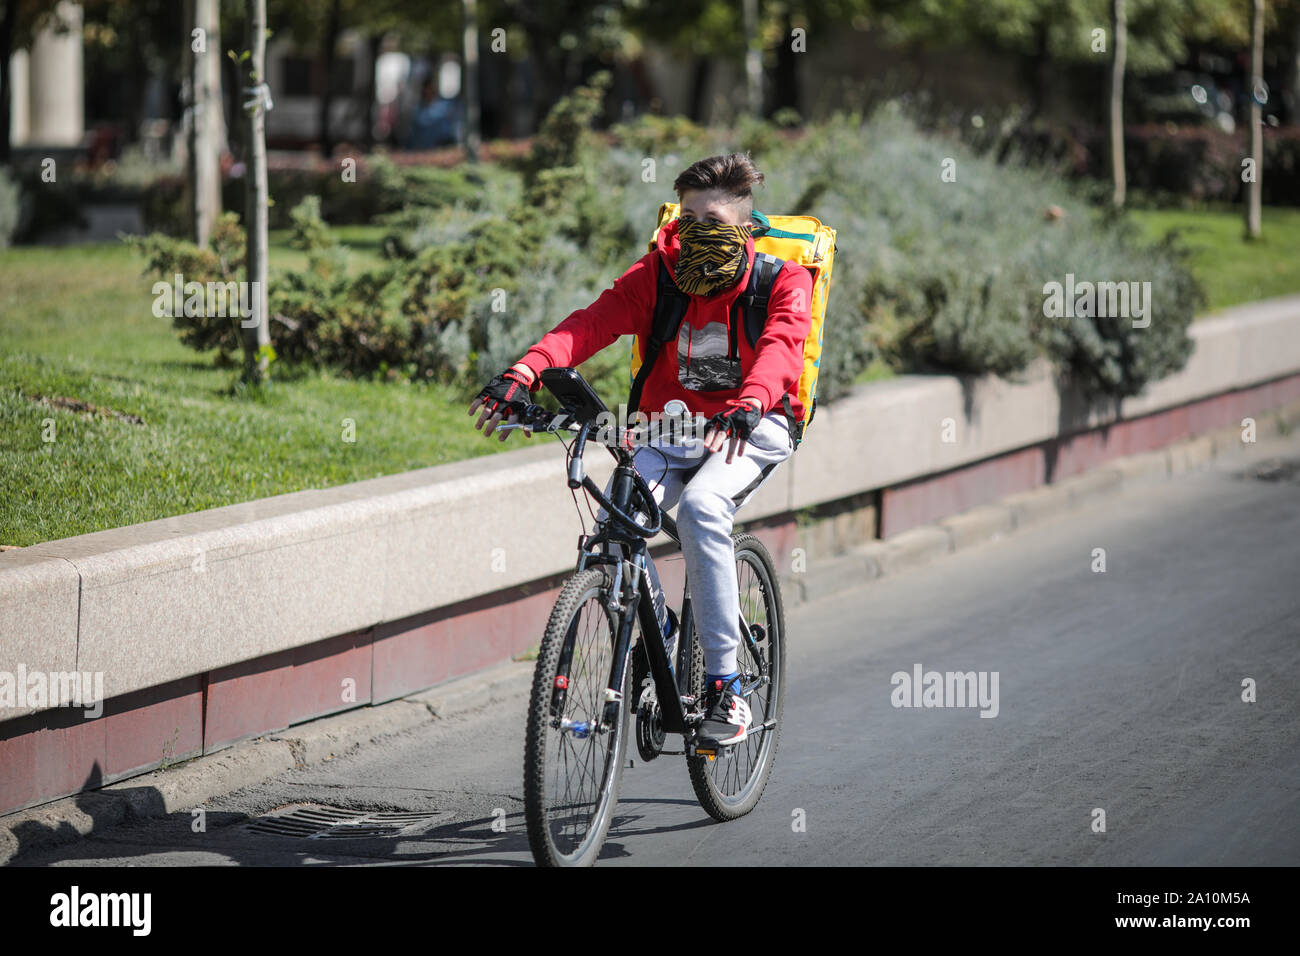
(615, 570)
(631, 586)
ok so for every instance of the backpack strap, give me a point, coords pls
(751, 314)
(751, 305)
(670, 308)
(796, 426)
(763, 229)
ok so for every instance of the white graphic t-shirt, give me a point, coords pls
(703, 360)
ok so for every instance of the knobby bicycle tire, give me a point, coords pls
(718, 783)
(548, 752)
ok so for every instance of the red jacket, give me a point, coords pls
(767, 372)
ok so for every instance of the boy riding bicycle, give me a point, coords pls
(747, 393)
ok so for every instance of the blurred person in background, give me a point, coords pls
(436, 121)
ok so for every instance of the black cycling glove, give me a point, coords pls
(507, 394)
(739, 422)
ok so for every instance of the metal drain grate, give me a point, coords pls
(313, 821)
(1274, 470)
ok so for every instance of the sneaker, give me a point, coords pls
(727, 717)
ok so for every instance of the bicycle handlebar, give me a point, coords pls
(654, 515)
(535, 415)
(539, 418)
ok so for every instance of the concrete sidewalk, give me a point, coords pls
(190, 784)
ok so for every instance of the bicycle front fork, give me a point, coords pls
(628, 598)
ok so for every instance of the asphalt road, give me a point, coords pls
(1118, 691)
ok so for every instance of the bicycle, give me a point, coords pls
(580, 706)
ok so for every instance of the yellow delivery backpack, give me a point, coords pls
(776, 238)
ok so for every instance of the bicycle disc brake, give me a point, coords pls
(649, 723)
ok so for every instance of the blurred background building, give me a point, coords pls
(100, 75)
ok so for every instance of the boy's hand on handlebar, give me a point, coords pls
(736, 425)
(506, 395)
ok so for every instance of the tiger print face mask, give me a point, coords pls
(712, 257)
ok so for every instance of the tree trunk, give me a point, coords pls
(1120, 54)
(1256, 119)
(233, 127)
(1036, 71)
(469, 80)
(1293, 116)
(548, 74)
(373, 43)
(699, 86)
(332, 27)
(753, 60)
(8, 24)
(215, 67)
(256, 332)
(206, 119)
(785, 84)
(190, 61)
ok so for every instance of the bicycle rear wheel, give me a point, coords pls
(730, 785)
(572, 767)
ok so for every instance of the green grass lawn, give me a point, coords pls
(1232, 269)
(78, 323)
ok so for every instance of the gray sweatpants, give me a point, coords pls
(706, 504)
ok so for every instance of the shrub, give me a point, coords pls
(310, 231)
(948, 276)
(381, 188)
(652, 135)
(1166, 163)
(564, 139)
(47, 207)
(397, 187)
(930, 275)
(1107, 356)
(10, 197)
(222, 260)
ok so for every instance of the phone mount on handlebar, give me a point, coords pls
(576, 397)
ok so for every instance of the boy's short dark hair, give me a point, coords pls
(734, 174)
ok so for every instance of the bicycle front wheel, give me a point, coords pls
(730, 784)
(573, 764)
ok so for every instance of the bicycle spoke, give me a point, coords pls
(576, 782)
(732, 773)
